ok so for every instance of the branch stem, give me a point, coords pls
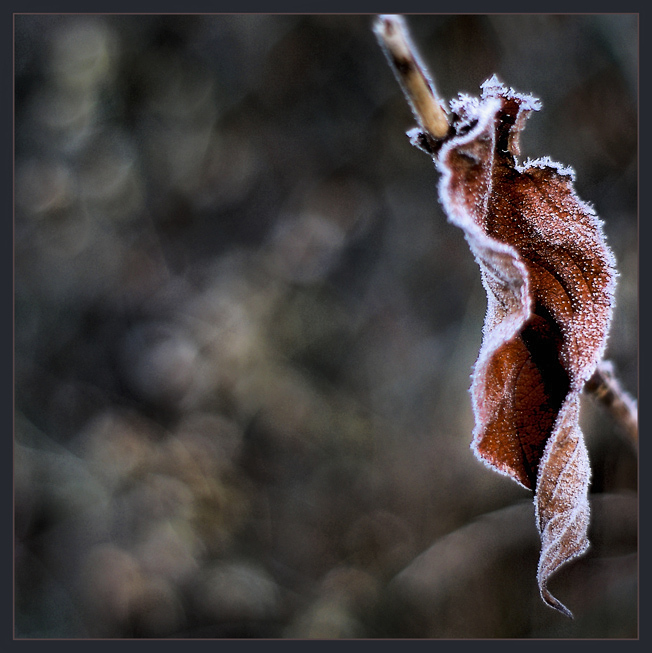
(606, 389)
(412, 75)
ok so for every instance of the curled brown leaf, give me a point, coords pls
(549, 278)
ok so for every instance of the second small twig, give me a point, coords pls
(606, 389)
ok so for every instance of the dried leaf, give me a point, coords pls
(549, 278)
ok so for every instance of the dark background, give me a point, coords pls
(244, 331)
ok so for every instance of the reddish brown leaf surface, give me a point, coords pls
(549, 278)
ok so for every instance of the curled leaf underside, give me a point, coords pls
(549, 278)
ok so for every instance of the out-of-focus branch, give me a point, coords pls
(607, 391)
(412, 75)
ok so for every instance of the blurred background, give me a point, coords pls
(244, 331)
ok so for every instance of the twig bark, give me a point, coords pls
(607, 391)
(412, 75)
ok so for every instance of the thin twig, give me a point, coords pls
(412, 75)
(607, 391)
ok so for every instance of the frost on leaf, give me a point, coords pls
(549, 278)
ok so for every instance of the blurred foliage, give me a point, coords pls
(244, 331)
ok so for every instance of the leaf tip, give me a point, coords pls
(554, 603)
